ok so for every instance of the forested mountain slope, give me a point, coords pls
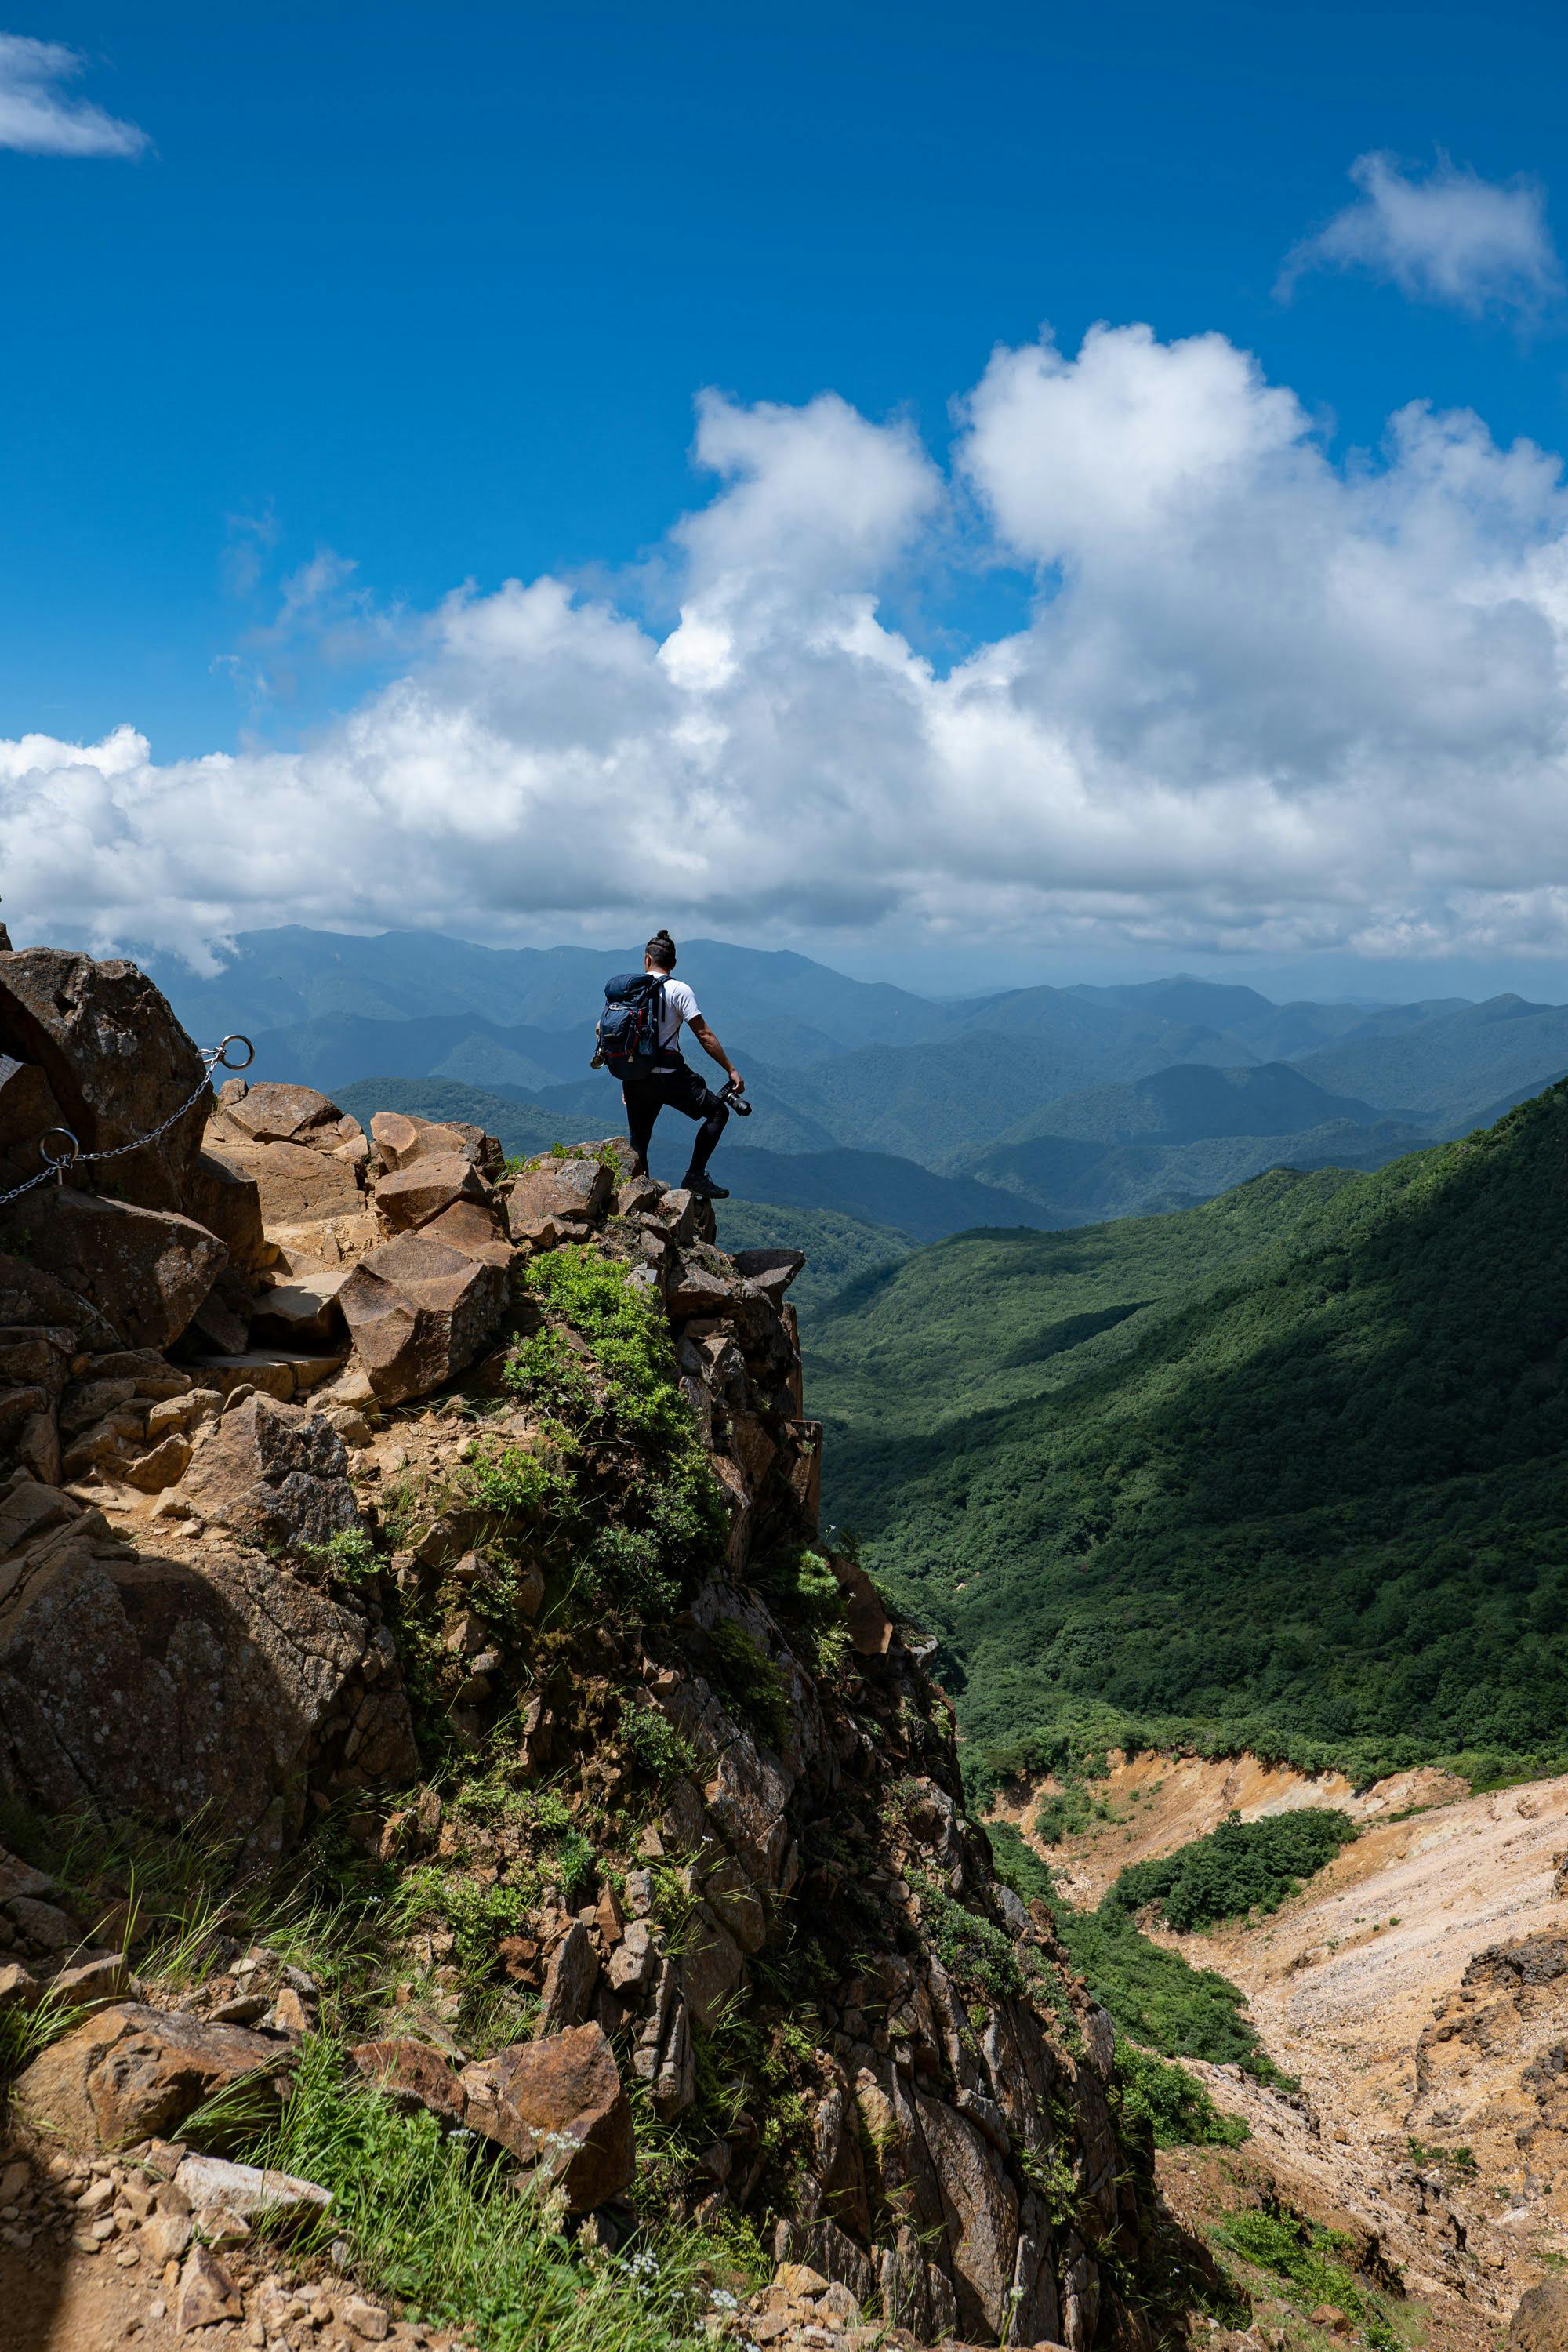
(1285, 1471)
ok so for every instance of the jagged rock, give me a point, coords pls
(207, 2292)
(116, 1060)
(414, 2074)
(870, 1627)
(569, 1981)
(19, 1989)
(419, 1313)
(558, 1192)
(474, 1229)
(302, 1312)
(273, 1472)
(286, 1373)
(319, 1244)
(712, 1965)
(29, 1296)
(167, 1688)
(772, 1270)
(295, 1185)
(663, 2056)
(132, 2073)
(401, 1138)
(143, 1272)
(271, 1113)
(419, 1191)
(562, 2088)
(695, 1289)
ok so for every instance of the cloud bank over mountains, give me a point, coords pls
(1266, 697)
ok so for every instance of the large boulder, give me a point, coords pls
(273, 1472)
(401, 1138)
(558, 2102)
(29, 1296)
(132, 2073)
(413, 1194)
(116, 1061)
(295, 1184)
(419, 1313)
(143, 1272)
(176, 1683)
(27, 1111)
(274, 1113)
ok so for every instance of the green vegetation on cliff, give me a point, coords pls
(1286, 1471)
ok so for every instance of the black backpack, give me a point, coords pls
(629, 1023)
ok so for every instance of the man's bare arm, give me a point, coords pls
(710, 1045)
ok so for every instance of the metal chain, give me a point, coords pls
(56, 1163)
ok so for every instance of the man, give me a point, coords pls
(673, 1080)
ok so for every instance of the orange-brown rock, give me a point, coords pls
(413, 2073)
(274, 1472)
(414, 1193)
(132, 2073)
(418, 1313)
(558, 2102)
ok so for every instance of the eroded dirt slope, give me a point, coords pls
(1418, 1990)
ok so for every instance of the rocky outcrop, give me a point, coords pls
(184, 1678)
(598, 1544)
(103, 1054)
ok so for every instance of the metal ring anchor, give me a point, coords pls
(59, 1161)
(223, 1061)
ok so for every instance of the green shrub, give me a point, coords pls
(652, 1745)
(1154, 2094)
(349, 1558)
(1241, 1867)
(1308, 2260)
(803, 1592)
(1154, 1995)
(1063, 1814)
(630, 1487)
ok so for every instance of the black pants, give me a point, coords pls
(683, 1090)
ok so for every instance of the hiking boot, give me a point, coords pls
(704, 1188)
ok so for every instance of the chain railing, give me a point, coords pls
(55, 1162)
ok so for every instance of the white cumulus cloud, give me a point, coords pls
(1448, 237)
(1263, 698)
(38, 120)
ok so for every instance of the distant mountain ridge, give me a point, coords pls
(1067, 1103)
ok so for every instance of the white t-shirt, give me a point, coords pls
(680, 1004)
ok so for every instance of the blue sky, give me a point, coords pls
(423, 298)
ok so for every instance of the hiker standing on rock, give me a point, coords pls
(637, 1032)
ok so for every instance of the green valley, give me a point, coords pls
(1285, 1471)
